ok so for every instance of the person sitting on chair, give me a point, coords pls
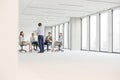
(58, 43)
(33, 41)
(48, 40)
(22, 42)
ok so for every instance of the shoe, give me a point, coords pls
(40, 52)
(48, 49)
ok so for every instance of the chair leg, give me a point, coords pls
(22, 50)
(59, 49)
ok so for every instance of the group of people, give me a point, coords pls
(40, 42)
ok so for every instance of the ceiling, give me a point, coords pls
(51, 12)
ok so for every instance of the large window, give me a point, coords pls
(66, 35)
(93, 28)
(61, 28)
(64, 29)
(57, 33)
(84, 33)
(104, 32)
(116, 30)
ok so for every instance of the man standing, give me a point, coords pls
(40, 33)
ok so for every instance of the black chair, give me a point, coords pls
(34, 45)
(48, 44)
(22, 48)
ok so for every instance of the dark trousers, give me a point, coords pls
(35, 44)
(41, 43)
(48, 44)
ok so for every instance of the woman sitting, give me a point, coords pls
(59, 42)
(22, 42)
(33, 41)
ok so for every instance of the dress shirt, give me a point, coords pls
(40, 31)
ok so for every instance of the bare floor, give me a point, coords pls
(68, 65)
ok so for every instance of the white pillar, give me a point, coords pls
(47, 29)
(88, 33)
(110, 31)
(75, 33)
(69, 35)
(98, 33)
(80, 33)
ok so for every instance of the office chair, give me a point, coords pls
(22, 48)
(34, 48)
(48, 44)
(59, 48)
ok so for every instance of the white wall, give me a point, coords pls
(47, 29)
(8, 34)
(28, 26)
(75, 26)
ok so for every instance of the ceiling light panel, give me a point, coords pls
(59, 5)
(106, 1)
(72, 5)
(60, 9)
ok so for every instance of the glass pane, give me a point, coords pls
(66, 35)
(93, 26)
(116, 30)
(61, 28)
(104, 31)
(84, 33)
(56, 32)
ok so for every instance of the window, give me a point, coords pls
(61, 28)
(57, 33)
(53, 33)
(93, 28)
(104, 32)
(116, 30)
(66, 35)
(84, 33)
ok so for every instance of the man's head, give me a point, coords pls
(49, 33)
(39, 24)
(60, 34)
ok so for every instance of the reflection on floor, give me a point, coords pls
(68, 65)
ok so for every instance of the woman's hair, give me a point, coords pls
(32, 33)
(21, 34)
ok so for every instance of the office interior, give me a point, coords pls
(91, 31)
(84, 27)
